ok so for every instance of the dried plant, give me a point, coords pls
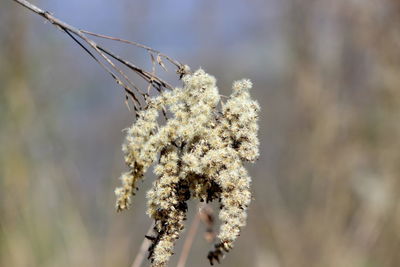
(198, 152)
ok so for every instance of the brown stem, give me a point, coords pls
(173, 61)
(117, 73)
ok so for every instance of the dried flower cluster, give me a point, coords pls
(200, 153)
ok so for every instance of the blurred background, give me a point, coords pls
(326, 73)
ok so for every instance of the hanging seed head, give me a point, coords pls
(198, 153)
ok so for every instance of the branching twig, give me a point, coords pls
(149, 49)
(100, 52)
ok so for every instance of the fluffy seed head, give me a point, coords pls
(199, 153)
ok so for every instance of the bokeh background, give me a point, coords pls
(327, 76)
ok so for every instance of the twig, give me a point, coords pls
(173, 61)
(118, 74)
(143, 248)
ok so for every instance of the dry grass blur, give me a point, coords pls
(327, 185)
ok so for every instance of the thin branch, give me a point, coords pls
(173, 61)
(127, 90)
(153, 79)
(117, 73)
